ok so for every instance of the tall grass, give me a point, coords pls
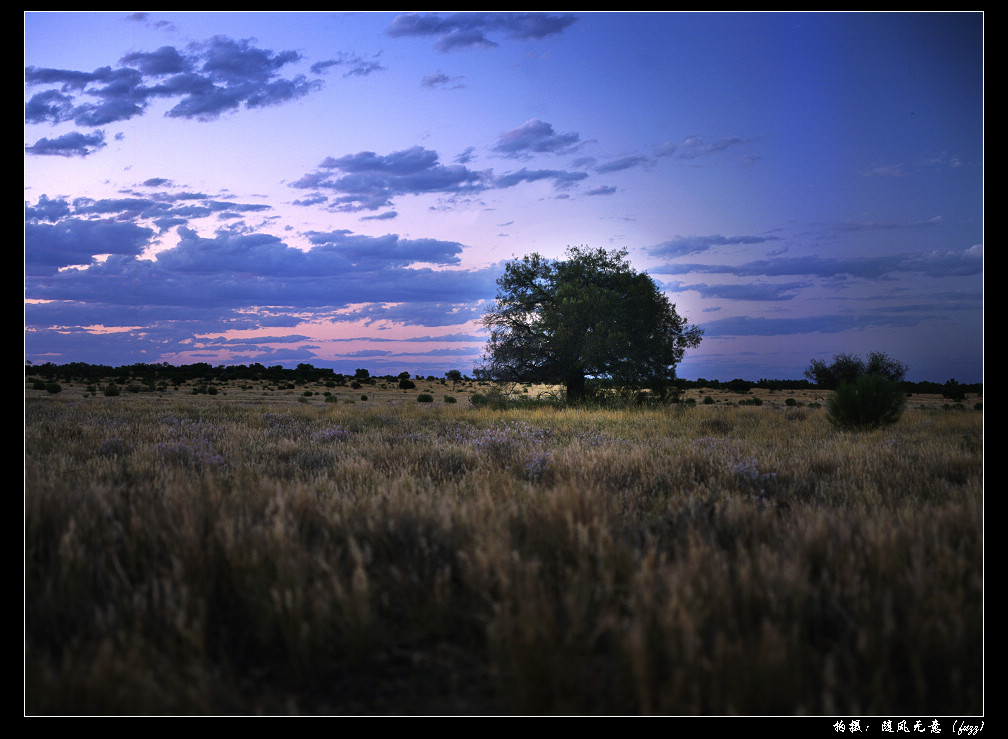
(205, 555)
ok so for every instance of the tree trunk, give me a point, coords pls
(575, 388)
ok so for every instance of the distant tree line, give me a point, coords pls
(166, 374)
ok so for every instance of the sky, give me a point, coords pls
(344, 189)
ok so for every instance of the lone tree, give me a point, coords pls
(589, 315)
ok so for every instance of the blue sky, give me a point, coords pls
(343, 189)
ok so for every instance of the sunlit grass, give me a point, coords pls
(242, 554)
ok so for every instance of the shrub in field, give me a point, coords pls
(53, 387)
(449, 399)
(425, 398)
(38, 385)
(493, 398)
(405, 384)
(111, 390)
(865, 403)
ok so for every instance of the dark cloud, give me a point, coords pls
(163, 209)
(826, 324)
(386, 216)
(601, 190)
(235, 272)
(209, 78)
(622, 163)
(535, 137)
(73, 144)
(47, 209)
(561, 178)
(757, 291)
(467, 30)
(74, 241)
(683, 245)
(369, 181)
(352, 65)
(166, 60)
(962, 263)
(388, 250)
(50, 106)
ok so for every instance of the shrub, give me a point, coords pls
(406, 384)
(363, 397)
(425, 398)
(449, 399)
(493, 398)
(39, 385)
(865, 403)
(111, 390)
(53, 387)
(708, 400)
(791, 402)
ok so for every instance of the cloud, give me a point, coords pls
(617, 165)
(561, 178)
(694, 147)
(442, 80)
(75, 241)
(137, 308)
(827, 324)
(535, 137)
(601, 190)
(208, 78)
(354, 65)
(243, 269)
(73, 144)
(684, 245)
(902, 169)
(757, 291)
(964, 263)
(389, 250)
(852, 226)
(468, 30)
(369, 181)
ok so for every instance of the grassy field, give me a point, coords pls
(265, 550)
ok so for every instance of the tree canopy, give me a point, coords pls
(589, 315)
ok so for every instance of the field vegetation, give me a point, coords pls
(254, 546)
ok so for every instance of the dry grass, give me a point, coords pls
(267, 552)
